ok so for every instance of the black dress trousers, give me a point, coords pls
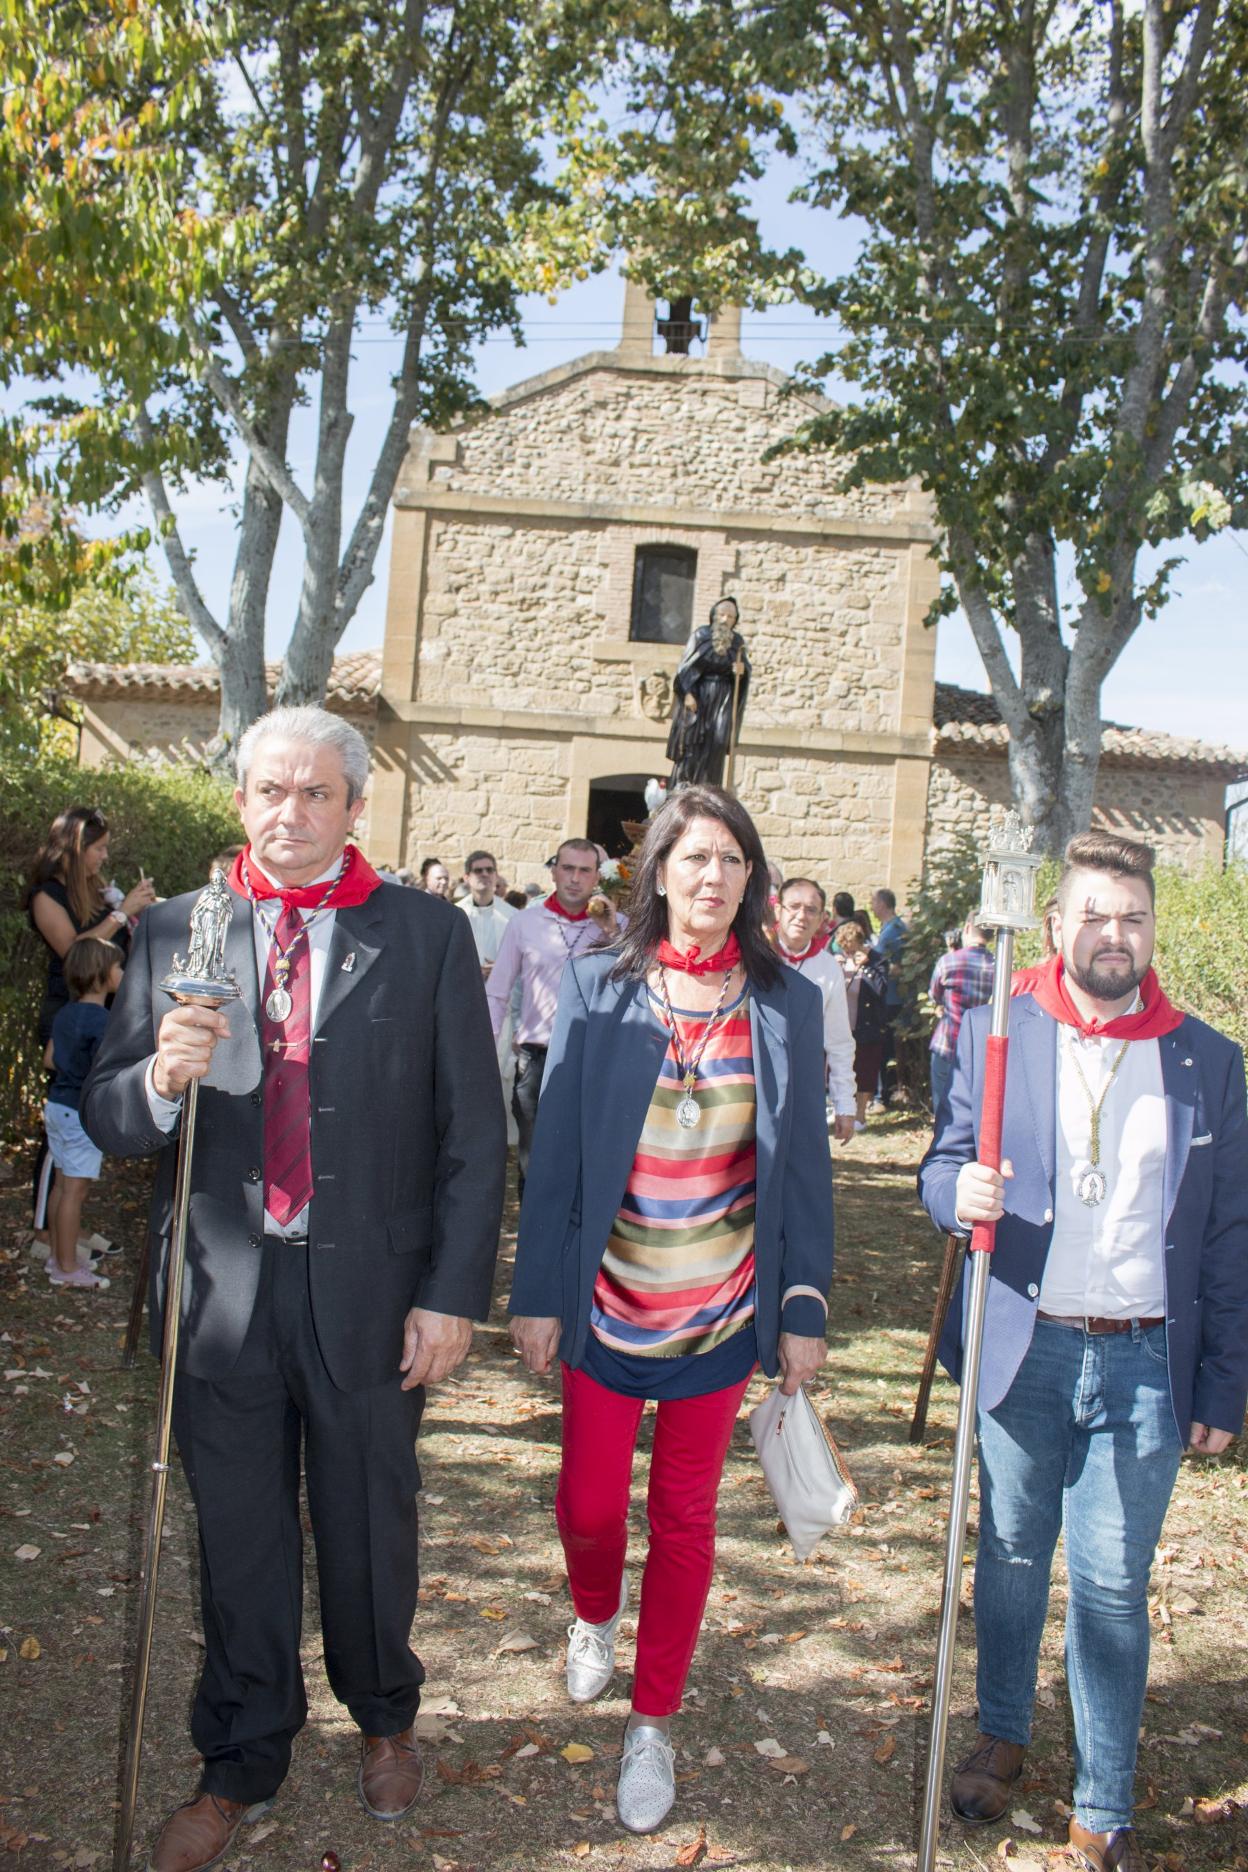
(240, 1440)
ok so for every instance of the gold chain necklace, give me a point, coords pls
(1091, 1185)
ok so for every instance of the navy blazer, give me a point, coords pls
(601, 1071)
(1206, 1207)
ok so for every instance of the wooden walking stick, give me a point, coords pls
(202, 979)
(944, 1294)
(1008, 893)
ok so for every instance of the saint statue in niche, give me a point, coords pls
(709, 696)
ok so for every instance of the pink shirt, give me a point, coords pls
(536, 947)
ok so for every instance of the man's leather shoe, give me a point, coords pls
(1118, 1851)
(196, 1834)
(391, 1773)
(980, 1791)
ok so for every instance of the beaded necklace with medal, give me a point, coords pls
(688, 1111)
(573, 947)
(278, 1003)
(1091, 1185)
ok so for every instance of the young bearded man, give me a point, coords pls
(1116, 1332)
(344, 1211)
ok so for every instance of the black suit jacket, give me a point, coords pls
(408, 1134)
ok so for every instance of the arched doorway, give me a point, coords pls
(613, 798)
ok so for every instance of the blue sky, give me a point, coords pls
(1185, 672)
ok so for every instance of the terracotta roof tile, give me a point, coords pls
(355, 680)
(966, 719)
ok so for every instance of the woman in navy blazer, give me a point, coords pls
(676, 1233)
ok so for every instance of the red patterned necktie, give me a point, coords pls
(287, 1103)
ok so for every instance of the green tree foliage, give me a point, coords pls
(168, 823)
(413, 163)
(1044, 318)
(103, 622)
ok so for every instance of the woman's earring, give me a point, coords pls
(662, 890)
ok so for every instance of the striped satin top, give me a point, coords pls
(677, 1276)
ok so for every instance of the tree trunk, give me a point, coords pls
(240, 659)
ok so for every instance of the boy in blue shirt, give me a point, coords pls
(92, 973)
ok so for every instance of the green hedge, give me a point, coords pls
(1202, 945)
(168, 822)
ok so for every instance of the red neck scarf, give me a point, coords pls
(1158, 1016)
(358, 881)
(816, 944)
(553, 904)
(693, 962)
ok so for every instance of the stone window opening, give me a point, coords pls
(664, 578)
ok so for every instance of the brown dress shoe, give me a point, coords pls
(391, 1773)
(196, 1834)
(1118, 1851)
(980, 1791)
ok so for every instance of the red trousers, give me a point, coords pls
(691, 1437)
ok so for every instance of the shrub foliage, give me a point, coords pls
(166, 822)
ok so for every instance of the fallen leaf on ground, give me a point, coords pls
(824, 1740)
(30, 1649)
(1006, 1849)
(581, 1850)
(530, 1748)
(886, 1750)
(848, 1831)
(694, 1852)
(518, 1641)
(1210, 1812)
(493, 1612)
(63, 1458)
(788, 1764)
(27, 1552)
(1024, 1821)
(714, 1758)
(577, 1752)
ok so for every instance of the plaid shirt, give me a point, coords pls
(961, 979)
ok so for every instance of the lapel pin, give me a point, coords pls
(348, 963)
(1187, 1062)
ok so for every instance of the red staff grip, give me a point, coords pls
(984, 1234)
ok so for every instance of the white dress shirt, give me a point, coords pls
(489, 923)
(166, 1112)
(824, 969)
(536, 947)
(1106, 1260)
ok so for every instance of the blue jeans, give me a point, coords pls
(942, 1077)
(1084, 1443)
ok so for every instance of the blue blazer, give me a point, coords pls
(601, 1070)
(1205, 1207)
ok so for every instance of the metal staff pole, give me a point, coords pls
(1008, 895)
(200, 979)
(738, 670)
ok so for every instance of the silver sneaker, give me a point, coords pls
(647, 1784)
(591, 1653)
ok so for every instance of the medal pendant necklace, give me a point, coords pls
(1090, 1185)
(688, 1111)
(278, 1003)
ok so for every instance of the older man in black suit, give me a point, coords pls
(344, 1217)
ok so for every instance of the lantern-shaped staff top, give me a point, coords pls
(1010, 867)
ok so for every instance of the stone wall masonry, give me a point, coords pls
(1181, 814)
(687, 439)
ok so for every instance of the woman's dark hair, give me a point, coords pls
(61, 857)
(647, 912)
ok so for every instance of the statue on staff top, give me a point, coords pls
(710, 690)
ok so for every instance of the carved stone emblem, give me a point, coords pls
(654, 694)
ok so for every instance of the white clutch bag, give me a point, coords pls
(805, 1471)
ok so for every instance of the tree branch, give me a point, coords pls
(176, 556)
(274, 470)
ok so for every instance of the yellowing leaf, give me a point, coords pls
(848, 1831)
(30, 1649)
(577, 1752)
(886, 1750)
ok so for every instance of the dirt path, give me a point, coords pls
(829, 1661)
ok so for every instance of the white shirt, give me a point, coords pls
(489, 922)
(535, 950)
(1106, 1261)
(166, 1112)
(824, 969)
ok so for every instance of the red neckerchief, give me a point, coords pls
(693, 962)
(816, 944)
(358, 881)
(553, 904)
(1158, 1016)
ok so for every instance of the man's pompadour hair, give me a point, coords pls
(1109, 852)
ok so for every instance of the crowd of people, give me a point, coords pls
(679, 1064)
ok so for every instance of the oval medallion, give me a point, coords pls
(1091, 1188)
(688, 1113)
(278, 1005)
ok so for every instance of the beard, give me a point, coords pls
(1108, 984)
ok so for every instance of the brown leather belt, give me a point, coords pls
(1088, 1325)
